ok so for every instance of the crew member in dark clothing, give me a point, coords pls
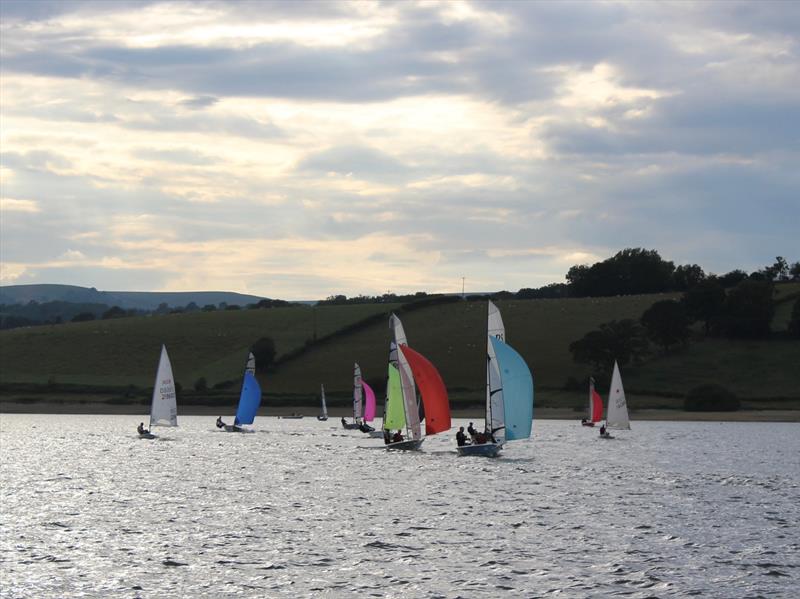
(141, 429)
(220, 424)
(603, 431)
(398, 436)
(461, 438)
(387, 436)
(471, 430)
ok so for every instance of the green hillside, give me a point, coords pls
(452, 335)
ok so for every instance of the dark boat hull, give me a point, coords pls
(485, 450)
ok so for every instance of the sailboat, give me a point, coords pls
(358, 400)
(324, 414)
(595, 409)
(509, 393)
(407, 370)
(163, 409)
(249, 400)
(617, 413)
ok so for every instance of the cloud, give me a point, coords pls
(300, 149)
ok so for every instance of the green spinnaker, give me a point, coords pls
(395, 411)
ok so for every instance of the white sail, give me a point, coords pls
(494, 391)
(406, 378)
(358, 392)
(324, 407)
(250, 366)
(617, 416)
(164, 409)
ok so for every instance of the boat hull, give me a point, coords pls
(375, 434)
(485, 450)
(606, 436)
(349, 427)
(322, 418)
(587, 423)
(232, 428)
(290, 417)
(410, 445)
(147, 436)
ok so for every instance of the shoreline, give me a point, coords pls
(311, 411)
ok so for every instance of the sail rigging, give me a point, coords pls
(617, 416)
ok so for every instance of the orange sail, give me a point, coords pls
(432, 390)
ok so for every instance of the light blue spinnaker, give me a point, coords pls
(517, 384)
(249, 400)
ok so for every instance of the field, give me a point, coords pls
(213, 345)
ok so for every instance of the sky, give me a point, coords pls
(299, 150)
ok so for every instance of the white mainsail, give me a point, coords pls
(164, 409)
(495, 416)
(617, 416)
(358, 392)
(406, 377)
(250, 365)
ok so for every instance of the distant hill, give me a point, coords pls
(139, 300)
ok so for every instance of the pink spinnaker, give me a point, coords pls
(369, 406)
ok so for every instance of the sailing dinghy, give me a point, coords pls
(509, 394)
(617, 413)
(249, 401)
(407, 370)
(324, 415)
(163, 409)
(358, 401)
(595, 410)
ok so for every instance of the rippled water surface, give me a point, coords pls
(304, 508)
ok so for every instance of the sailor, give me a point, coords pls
(471, 430)
(603, 430)
(344, 422)
(461, 438)
(398, 436)
(387, 436)
(220, 424)
(141, 430)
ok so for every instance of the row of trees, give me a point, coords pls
(744, 312)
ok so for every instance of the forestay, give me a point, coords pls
(164, 408)
(617, 416)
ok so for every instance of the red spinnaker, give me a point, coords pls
(432, 389)
(597, 406)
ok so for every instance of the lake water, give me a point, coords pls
(303, 508)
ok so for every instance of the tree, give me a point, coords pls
(748, 310)
(779, 271)
(83, 317)
(704, 302)
(732, 278)
(209, 308)
(666, 323)
(622, 340)
(201, 384)
(794, 320)
(688, 276)
(114, 312)
(632, 270)
(711, 398)
(264, 352)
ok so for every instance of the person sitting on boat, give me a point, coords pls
(461, 438)
(220, 424)
(490, 434)
(603, 430)
(479, 438)
(344, 422)
(387, 436)
(472, 432)
(398, 436)
(141, 429)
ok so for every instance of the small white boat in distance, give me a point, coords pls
(617, 413)
(163, 408)
(324, 415)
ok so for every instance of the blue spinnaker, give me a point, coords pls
(517, 385)
(249, 400)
